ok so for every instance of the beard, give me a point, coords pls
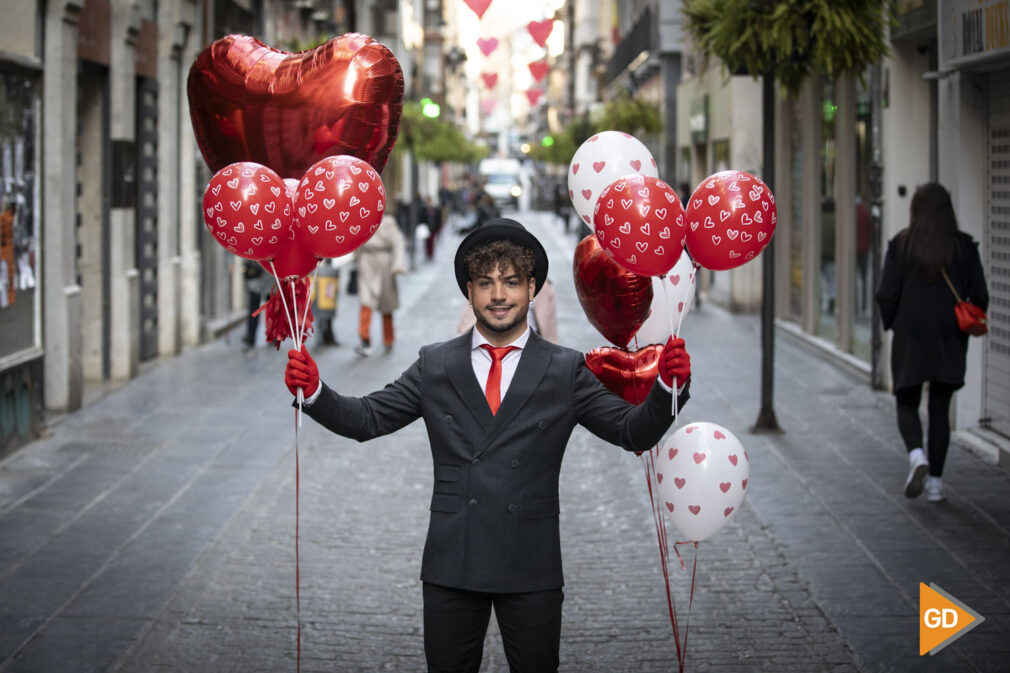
(501, 327)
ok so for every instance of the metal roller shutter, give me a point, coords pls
(996, 398)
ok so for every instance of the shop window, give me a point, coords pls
(796, 118)
(862, 308)
(827, 281)
(19, 95)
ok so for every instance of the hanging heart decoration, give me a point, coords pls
(540, 30)
(478, 6)
(487, 45)
(539, 70)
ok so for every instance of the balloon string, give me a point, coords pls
(298, 581)
(690, 600)
(300, 396)
(308, 301)
(664, 558)
(284, 301)
(669, 317)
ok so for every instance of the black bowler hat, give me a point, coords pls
(501, 229)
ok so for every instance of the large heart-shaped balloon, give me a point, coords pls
(250, 102)
(615, 300)
(629, 374)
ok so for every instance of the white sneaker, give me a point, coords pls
(363, 350)
(934, 490)
(918, 468)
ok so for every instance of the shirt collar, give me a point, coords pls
(477, 339)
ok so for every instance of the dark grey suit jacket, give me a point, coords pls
(494, 508)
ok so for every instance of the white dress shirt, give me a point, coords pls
(480, 358)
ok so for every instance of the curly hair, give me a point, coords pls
(484, 259)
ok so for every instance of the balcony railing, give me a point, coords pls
(639, 39)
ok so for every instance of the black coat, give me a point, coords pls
(494, 507)
(927, 344)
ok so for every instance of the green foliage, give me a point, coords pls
(624, 113)
(631, 116)
(434, 139)
(791, 38)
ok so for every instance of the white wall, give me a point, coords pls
(963, 155)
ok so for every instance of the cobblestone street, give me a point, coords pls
(154, 530)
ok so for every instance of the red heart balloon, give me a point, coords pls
(629, 374)
(250, 102)
(615, 300)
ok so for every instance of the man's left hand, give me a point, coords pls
(675, 364)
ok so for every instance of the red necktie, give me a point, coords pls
(492, 391)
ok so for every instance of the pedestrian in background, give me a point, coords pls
(258, 284)
(916, 302)
(380, 260)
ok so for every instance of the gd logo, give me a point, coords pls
(942, 619)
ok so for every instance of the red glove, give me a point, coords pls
(675, 364)
(301, 372)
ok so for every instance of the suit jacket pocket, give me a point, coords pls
(541, 508)
(444, 502)
(447, 473)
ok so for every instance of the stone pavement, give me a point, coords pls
(154, 530)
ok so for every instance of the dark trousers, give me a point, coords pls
(938, 415)
(455, 623)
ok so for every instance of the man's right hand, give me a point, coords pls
(301, 372)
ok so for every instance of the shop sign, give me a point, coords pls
(973, 32)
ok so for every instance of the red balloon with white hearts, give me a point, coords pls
(731, 217)
(639, 222)
(247, 209)
(340, 203)
(702, 473)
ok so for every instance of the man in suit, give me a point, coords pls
(499, 403)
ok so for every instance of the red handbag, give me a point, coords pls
(970, 318)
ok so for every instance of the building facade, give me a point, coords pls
(104, 260)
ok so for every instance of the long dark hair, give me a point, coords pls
(930, 241)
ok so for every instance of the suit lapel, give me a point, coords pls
(460, 371)
(532, 367)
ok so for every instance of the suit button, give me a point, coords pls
(448, 418)
(515, 464)
(512, 508)
(542, 425)
(475, 461)
(472, 503)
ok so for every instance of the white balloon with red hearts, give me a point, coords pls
(600, 161)
(702, 475)
(247, 209)
(340, 203)
(672, 299)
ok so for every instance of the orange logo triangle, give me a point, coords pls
(942, 619)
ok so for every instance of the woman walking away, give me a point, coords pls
(917, 303)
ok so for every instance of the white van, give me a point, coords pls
(501, 180)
